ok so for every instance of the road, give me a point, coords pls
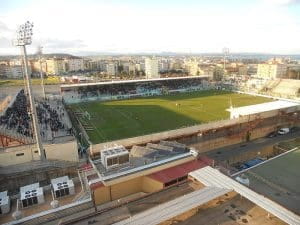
(227, 152)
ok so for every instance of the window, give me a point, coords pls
(36, 151)
(172, 182)
(19, 154)
(182, 178)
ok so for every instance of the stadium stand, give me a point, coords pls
(16, 116)
(127, 89)
(16, 120)
(287, 88)
(283, 88)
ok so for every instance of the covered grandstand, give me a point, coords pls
(113, 90)
(258, 109)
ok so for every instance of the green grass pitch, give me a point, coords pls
(134, 117)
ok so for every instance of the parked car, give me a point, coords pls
(283, 131)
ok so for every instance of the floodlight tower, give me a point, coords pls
(24, 34)
(225, 53)
(39, 52)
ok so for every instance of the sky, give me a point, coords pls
(151, 26)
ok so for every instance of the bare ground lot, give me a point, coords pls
(229, 209)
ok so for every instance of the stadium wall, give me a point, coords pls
(144, 184)
(27, 153)
(213, 135)
(7, 102)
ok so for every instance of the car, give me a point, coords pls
(283, 131)
(272, 134)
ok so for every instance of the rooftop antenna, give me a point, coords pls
(24, 34)
(40, 52)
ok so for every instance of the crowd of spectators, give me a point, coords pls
(17, 117)
(50, 117)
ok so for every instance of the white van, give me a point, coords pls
(284, 131)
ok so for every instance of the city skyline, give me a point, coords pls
(261, 26)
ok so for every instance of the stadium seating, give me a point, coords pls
(130, 89)
(16, 121)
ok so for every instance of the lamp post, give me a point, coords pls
(39, 52)
(24, 34)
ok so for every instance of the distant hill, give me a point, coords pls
(58, 55)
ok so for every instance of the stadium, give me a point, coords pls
(118, 110)
(147, 144)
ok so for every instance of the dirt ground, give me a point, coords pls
(229, 209)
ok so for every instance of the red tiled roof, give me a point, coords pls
(175, 172)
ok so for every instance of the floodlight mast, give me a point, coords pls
(40, 49)
(225, 52)
(24, 34)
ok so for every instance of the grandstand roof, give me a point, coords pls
(263, 107)
(130, 81)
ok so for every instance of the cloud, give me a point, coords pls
(281, 2)
(5, 42)
(4, 28)
(62, 44)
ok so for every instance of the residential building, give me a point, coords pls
(15, 71)
(35, 66)
(111, 69)
(151, 68)
(74, 64)
(243, 70)
(271, 71)
(192, 67)
(56, 66)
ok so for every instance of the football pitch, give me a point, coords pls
(120, 119)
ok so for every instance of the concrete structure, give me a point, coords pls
(56, 66)
(213, 178)
(269, 107)
(151, 68)
(67, 151)
(148, 171)
(271, 71)
(175, 207)
(4, 203)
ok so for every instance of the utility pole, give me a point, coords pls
(40, 48)
(24, 35)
